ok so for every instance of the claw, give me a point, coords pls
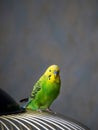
(39, 110)
(50, 111)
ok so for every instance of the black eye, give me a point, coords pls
(49, 70)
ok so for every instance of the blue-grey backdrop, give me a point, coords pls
(37, 33)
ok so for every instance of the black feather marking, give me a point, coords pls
(36, 88)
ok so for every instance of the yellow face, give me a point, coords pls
(53, 73)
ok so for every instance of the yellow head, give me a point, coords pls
(52, 73)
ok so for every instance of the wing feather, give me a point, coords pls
(37, 87)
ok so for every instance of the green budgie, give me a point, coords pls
(45, 90)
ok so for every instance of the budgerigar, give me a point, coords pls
(45, 90)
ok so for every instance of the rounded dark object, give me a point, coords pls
(7, 104)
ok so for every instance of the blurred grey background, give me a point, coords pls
(37, 33)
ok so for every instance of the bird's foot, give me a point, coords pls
(50, 111)
(46, 110)
(39, 110)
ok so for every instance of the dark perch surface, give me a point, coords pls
(38, 121)
(14, 118)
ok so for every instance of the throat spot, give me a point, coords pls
(49, 77)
